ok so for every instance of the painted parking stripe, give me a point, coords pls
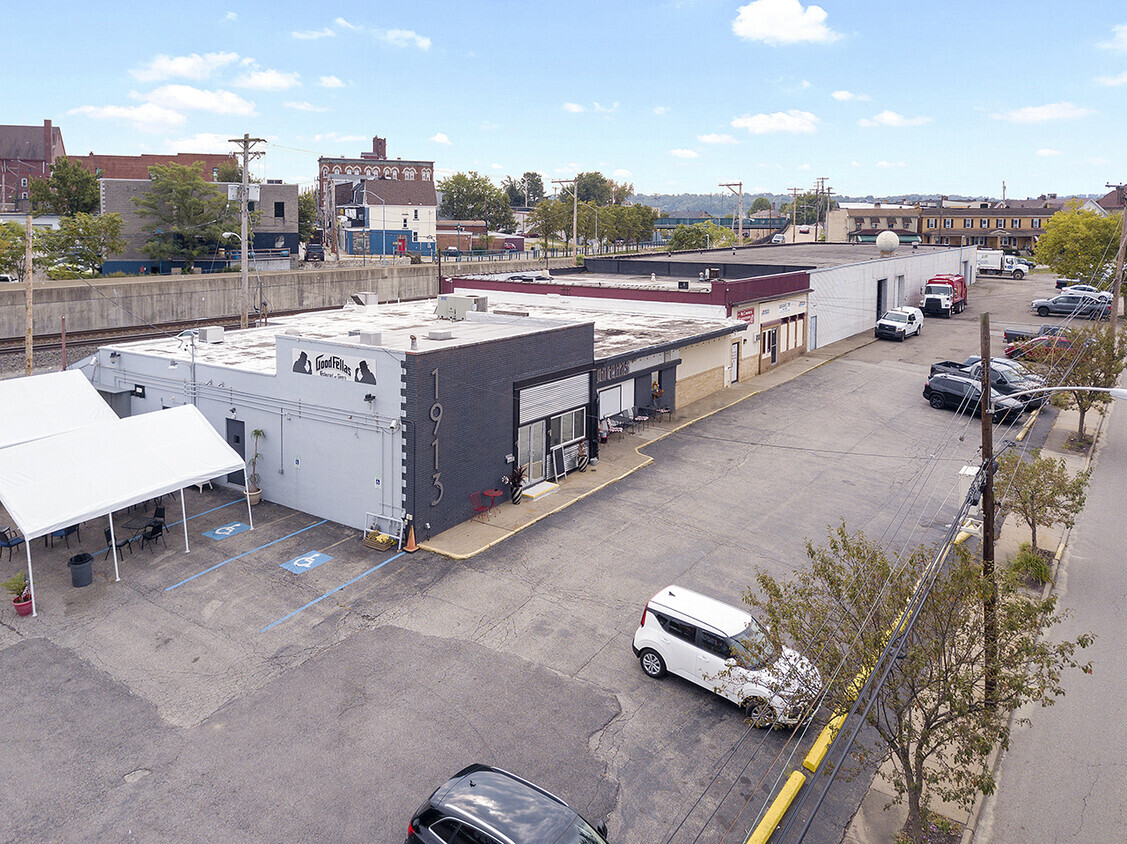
(251, 551)
(300, 565)
(332, 591)
(228, 530)
(212, 510)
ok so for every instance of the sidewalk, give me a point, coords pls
(873, 824)
(620, 457)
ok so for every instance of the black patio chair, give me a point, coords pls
(9, 540)
(125, 542)
(152, 534)
(63, 534)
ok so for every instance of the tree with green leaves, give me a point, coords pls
(85, 241)
(1095, 359)
(551, 218)
(230, 171)
(1078, 243)
(929, 716)
(13, 248)
(472, 196)
(761, 203)
(1040, 490)
(592, 187)
(706, 235)
(620, 192)
(185, 214)
(306, 215)
(70, 189)
(638, 223)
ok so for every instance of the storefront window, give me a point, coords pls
(567, 427)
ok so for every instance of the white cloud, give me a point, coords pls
(495, 166)
(891, 118)
(621, 174)
(1113, 81)
(891, 164)
(603, 108)
(854, 163)
(574, 108)
(304, 106)
(684, 153)
(846, 96)
(440, 138)
(331, 82)
(1049, 152)
(1044, 113)
(196, 99)
(801, 122)
(200, 142)
(803, 166)
(231, 16)
(192, 66)
(778, 22)
(804, 84)
(343, 24)
(1118, 38)
(148, 117)
(269, 80)
(717, 139)
(660, 110)
(312, 34)
(403, 38)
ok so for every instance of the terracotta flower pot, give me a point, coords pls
(22, 607)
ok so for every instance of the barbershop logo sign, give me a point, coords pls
(341, 367)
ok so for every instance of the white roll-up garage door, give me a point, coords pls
(554, 397)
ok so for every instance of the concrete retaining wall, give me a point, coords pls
(126, 302)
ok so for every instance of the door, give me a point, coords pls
(710, 665)
(813, 338)
(771, 344)
(735, 362)
(236, 438)
(882, 296)
(531, 451)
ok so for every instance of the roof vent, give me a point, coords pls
(371, 338)
(440, 334)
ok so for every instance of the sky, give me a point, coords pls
(880, 97)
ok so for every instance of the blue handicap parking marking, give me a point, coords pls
(300, 565)
(226, 530)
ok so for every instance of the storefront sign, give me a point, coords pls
(747, 315)
(612, 371)
(341, 367)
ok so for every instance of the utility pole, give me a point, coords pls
(990, 602)
(29, 274)
(793, 211)
(738, 189)
(246, 142)
(1117, 281)
(574, 210)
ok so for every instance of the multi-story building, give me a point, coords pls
(373, 205)
(1013, 229)
(137, 166)
(26, 153)
(861, 222)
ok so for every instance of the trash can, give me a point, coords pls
(80, 573)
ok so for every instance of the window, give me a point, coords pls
(1007, 241)
(948, 223)
(23, 195)
(984, 223)
(715, 644)
(23, 183)
(1001, 224)
(1035, 223)
(567, 427)
(676, 627)
(860, 223)
(250, 205)
(279, 209)
(968, 223)
(906, 222)
(215, 174)
(416, 213)
(931, 222)
(1015, 224)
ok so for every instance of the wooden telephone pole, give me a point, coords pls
(247, 143)
(738, 189)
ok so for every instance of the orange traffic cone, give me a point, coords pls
(411, 547)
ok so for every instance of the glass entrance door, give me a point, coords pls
(531, 447)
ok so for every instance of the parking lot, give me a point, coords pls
(286, 682)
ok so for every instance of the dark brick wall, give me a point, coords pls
(476, 427)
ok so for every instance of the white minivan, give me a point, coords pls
(725, 650)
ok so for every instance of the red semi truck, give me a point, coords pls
(944, 295)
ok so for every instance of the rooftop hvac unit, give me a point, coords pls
(440, 334)
(371, 338)
(211, 334)
(713, 272)
(682, 285)
(456, 307)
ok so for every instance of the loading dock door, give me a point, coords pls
(236, 438)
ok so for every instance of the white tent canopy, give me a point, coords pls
(54, 482)
(44, 405)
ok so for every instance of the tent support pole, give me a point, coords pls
(184, 516)
(113, 545)
(30, 577)
(250, 515)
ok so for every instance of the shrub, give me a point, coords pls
(1031, 566)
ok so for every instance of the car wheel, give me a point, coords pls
(1019, 275)
(936, 401)
(652, 663)
(919, 330)
(759, 712)
(1042, 311)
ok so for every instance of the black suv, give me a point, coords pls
(314, 252)
(484, 805)
(964, 394)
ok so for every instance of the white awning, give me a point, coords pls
(44, 405)
(51, 483)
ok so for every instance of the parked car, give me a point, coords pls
(1062, 283)
(899, 323)
(8, 279)
(1014, 334)
(1072, 305)
(1016, 365)
(725, 650)
(778, 238)
(1005, 379)
(314, 252)
(804, 229)
(1039, 348)
(485, 805)
(964, 395)
(1086, 290)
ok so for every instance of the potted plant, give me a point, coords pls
(254, 492)
(516, 482)
(21, 593)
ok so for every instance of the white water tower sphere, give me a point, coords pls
(887, 242)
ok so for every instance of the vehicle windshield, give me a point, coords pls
(937, 288)
(1008, 375)
(580, 833)
(753, 648)
(896, 316)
